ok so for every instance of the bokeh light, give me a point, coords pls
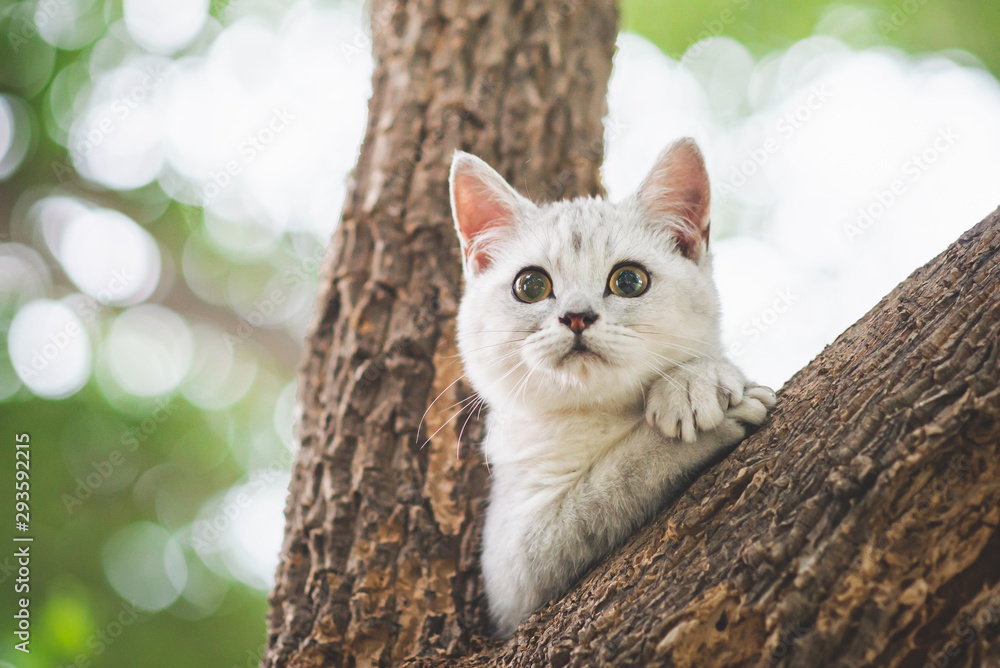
(15, 135)
(149, 350)
(803, 206)
(49, 349)
(222, 371)
(69, 24)
(285, 417)
(24, 277)
(117, 141)
(7, 130)
(162, 27)
(26, 60)
(104, 252)
(145, 565)
(238, 533)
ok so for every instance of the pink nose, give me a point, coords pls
(577, 322)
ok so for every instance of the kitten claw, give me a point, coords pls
(724, 399)
(764, 395)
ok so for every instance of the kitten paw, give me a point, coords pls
(757, 401)
(744, 418)
(694, 398)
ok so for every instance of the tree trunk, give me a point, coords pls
(859, 527)
(380, 561)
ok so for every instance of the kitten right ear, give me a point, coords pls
(677, 193)
(482, 204)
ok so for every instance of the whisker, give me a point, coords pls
(512, 369)
(524, 385)
(446, 422)
(458, 447)
(523, 376)
(488, 345)
(486, 442)
(506, 331)
(693, 351)
(669, 336)
(674, 381)
(431, 405)
(688, 367)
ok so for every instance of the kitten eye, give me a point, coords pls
(628, 281)
(532, 285)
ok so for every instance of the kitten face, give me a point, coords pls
(585, 343)
(520, 353)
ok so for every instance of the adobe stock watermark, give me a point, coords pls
(911, 172)
(56, 342)
(713, 28)
(900, 15)
(49, 351)
(251, 147)
(967, 631)
(583, 157)
(89, 307)
(120, 109)
(26, 30)
(785, 127)
(204, 532)
(102, 470)
(362, 41)
(191, 215)
(754, 327)
(265, 307)
(8, 567)
(254, 657)
(411, 152)
(786, 640)
(379, 363)
(99, 641)
(560, 10)
(225, 9)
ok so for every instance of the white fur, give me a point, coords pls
(585, 448)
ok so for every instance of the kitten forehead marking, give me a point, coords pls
(576, 238)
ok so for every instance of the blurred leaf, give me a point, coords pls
(69, 620)
(764, 25)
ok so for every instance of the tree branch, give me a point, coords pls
(859, 527)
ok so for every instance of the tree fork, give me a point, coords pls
(857, 528)
(380, 556)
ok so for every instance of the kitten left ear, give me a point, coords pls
(677, 192)
(482, 204)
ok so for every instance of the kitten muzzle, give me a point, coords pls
(577, 322)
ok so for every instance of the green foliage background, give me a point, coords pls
(72, 601)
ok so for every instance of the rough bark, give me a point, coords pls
(379, 559)
(858, 528)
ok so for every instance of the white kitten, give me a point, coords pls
(591, 329)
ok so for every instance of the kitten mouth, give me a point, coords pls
(580, 351)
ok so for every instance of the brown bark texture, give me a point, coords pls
(857, 528)
(379, 561)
